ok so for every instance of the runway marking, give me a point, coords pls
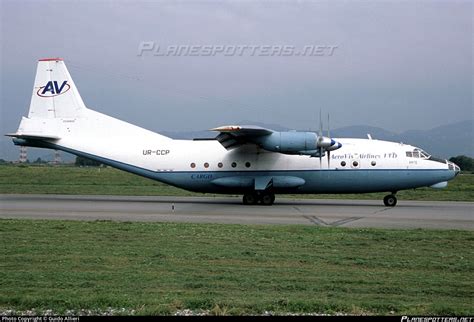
(344, 221)
(382, 210)
(315, 220)
(319, 222)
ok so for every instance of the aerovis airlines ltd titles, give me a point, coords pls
(242, 159)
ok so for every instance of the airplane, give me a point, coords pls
(242, 159)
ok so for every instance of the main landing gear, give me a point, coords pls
(390, 200)
(263, 198)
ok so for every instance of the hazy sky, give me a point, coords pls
(395, 64)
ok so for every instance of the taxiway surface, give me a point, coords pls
(321, 212)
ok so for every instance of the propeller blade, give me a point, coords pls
(320, 124)
(329, 135)
(328, 151)
(320, 158)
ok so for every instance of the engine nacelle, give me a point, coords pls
(289, 142)
(292, 142)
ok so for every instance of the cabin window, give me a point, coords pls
(193, 165)
(343, 163)
(247, 164)
(206, 165)
(234, 164)
(409, 154)
(355, 163)
(220, 165)
(373, 163)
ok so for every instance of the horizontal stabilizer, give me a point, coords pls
(33, 136)
(37, 129)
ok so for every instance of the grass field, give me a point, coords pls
(159, 268)
(109, 181)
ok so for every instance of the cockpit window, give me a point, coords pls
(417, 153)
(424, 154)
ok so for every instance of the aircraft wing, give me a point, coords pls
(232, 136)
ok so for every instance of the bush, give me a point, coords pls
(464, 162)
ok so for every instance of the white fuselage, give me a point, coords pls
(360, 165)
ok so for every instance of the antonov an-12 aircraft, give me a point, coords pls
(249, 160)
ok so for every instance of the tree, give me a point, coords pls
(85, 162)
(39, 161)
(464, 162)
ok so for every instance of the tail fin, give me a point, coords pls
(54, 94)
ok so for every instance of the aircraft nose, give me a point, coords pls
(457, 169)
(453, 166)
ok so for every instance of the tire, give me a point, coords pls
(250, 199)
(267, 199)
(390, 201)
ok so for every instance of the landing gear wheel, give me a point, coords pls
(267, 199)
(390, 200)
(250, 199)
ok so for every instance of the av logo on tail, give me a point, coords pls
(52, 89)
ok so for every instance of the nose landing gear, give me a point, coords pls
(390, 200)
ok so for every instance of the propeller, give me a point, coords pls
(325, 144)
